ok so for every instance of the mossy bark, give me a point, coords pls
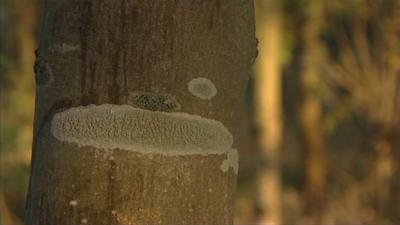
(102, 51)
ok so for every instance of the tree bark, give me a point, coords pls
(136, 106)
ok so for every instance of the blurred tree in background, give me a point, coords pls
(17, 44)
(338, 161)
(365, 67)
(268, 113)
(324, 112)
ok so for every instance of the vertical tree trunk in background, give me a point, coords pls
(394, 209)
(135, 105)
(383, 177)
(16, 104)
(386, 140)
(7, 216)
(269, 100)
(315, 170)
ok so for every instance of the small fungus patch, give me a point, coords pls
(232, 161)
(154, 101)
(202, 88)
(225, 165)
(73, 203)
(64, 48)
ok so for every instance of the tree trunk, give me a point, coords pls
(394, 208)
(135, 105)
(269, 113)
(384, 175)
(311, 112)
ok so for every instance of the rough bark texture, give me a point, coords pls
(143, 54)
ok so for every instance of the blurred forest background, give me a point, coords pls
(323, 140)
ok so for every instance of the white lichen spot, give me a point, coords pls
(73, 203)
(210, 190)
(113, 212)
(232, 161)
(225, 165)
(128, 128)
(64, 48)
(84, 221)
(202, 88)
(233, 158)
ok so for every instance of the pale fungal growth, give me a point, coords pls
(73, 203)
(232, 161)
(64, 48)
(125, 127)
(202, 88)
(154, 101)
(225, 165)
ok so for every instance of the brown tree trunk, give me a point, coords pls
(311, 112)
(135, 105)
(385, 175)
(394, 206)
(7, 216)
